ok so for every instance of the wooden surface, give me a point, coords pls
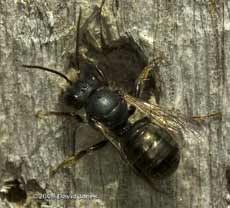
(189, 39)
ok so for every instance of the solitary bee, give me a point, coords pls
(151, 145)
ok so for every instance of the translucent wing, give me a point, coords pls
(110, 136)
(115, 141)
(117, 144)
(170, 120)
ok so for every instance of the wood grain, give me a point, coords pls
(190, 40)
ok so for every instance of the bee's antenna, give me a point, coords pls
(77, 40)
(49, 70)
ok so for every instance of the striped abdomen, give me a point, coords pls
(151, 150)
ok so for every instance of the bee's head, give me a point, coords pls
(77, 94)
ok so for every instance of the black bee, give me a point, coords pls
(151, 145)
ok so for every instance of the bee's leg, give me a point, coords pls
(71, 160)
(149, 72)
(103, 23)
(109, 43)
(89, 40)
(204, 117)
(41, 114)
(139, 86)
(102, 75)
(85, 35)
(142, 78)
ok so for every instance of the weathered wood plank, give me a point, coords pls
(189, 40)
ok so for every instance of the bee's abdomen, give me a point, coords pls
(151, 150)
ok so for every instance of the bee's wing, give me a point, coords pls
(115, 140)
(172, 121)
